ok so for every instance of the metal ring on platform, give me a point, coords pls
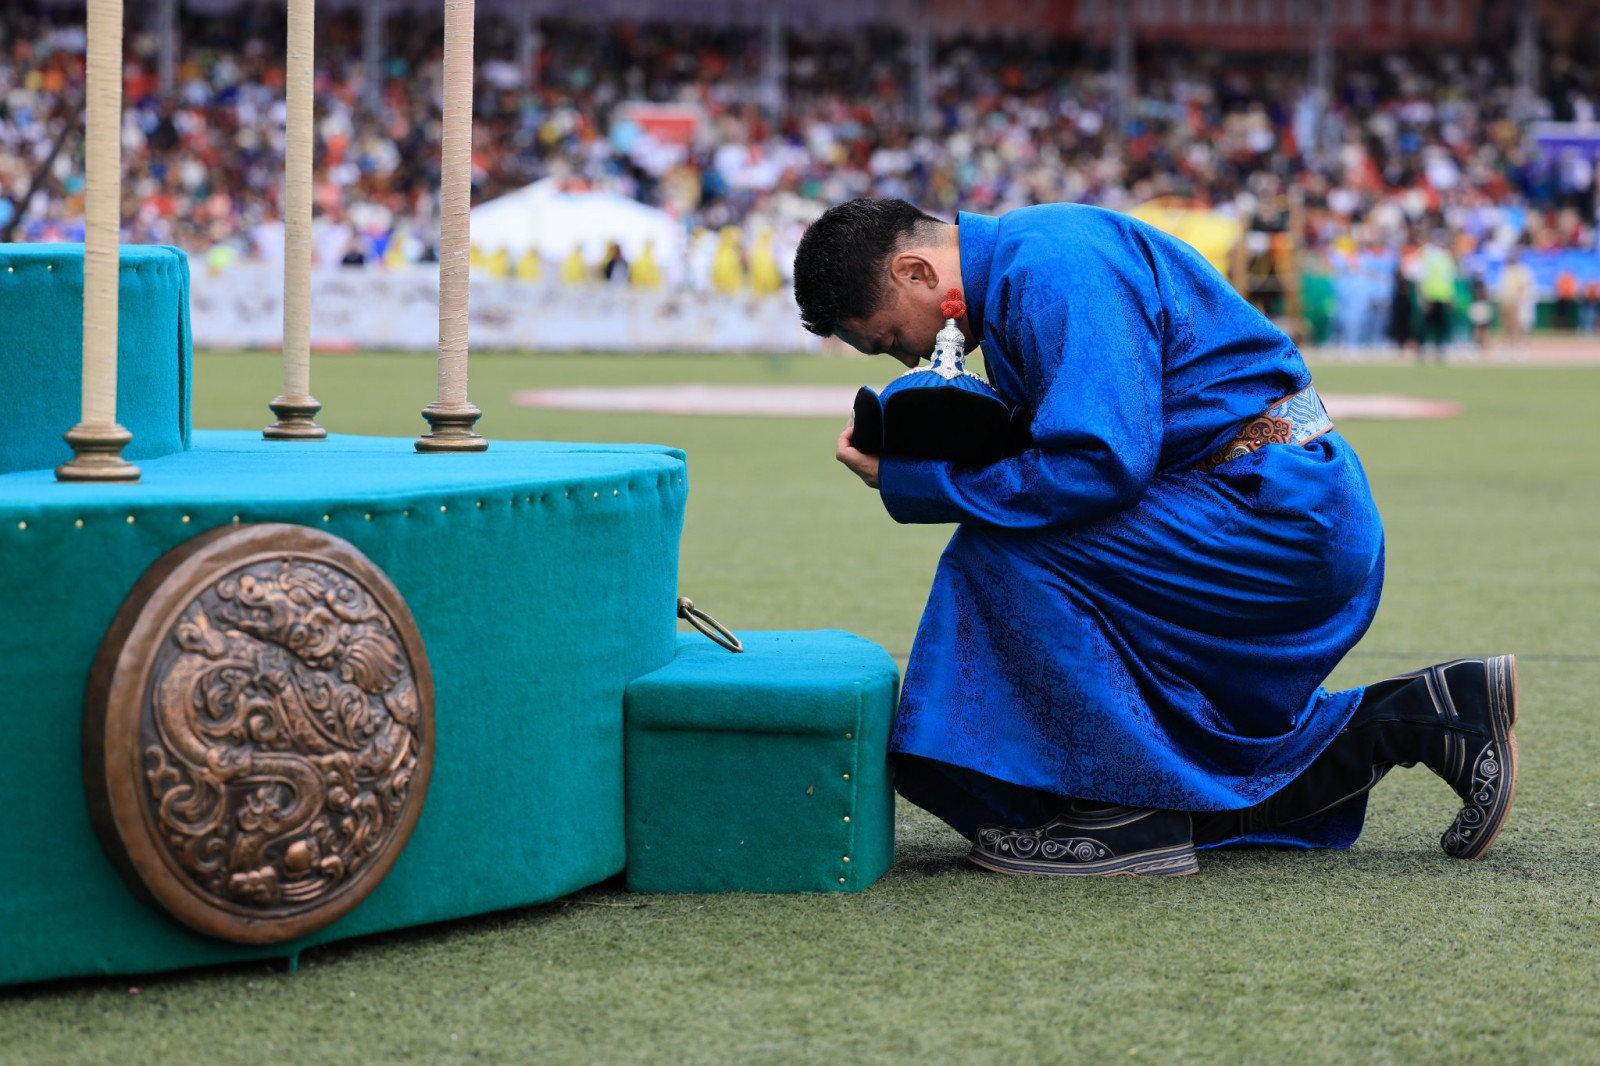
(712, 628)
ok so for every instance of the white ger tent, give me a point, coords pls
(545, 217)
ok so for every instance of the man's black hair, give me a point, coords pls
(838, 268)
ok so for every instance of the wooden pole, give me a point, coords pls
(774, 63)
(295, 407)
(1525, 62)
(529, 44)
(97, 440)
(919, 39)
(372, 27)
(1122, 62)
(1321, 77)
(452, 415)
(167, 45)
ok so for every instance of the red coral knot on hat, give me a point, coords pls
(953, 306)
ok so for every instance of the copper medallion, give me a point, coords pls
(259, 731)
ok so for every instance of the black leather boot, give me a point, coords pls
(1456, 719)
(1091, 840)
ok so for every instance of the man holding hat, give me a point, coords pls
(1122, 655)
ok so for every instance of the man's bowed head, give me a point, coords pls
(874, 273)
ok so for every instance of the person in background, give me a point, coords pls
(1480, 312)
(645, 273)
(1374, 264)
(1566, 300)
(1516, 296)
(1589, 307)
(574, 270)
(1438, 292)
(727, 263)
(1400, 307)
(1350, 293)
(615, 268)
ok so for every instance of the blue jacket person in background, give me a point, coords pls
(1122, 655)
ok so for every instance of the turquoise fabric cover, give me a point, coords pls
(41, 353)
(765, 771)
(545, 585)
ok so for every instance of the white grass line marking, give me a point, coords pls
(835, 401)
(1356, 407)
(768, 401)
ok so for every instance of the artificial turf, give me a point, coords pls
(1388, 952)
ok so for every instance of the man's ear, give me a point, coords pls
(913, 269)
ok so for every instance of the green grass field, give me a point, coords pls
(1388, 952)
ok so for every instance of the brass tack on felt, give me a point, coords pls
(441, 508)
(406, 513)
(841, 880)
(847, 858)
(22, 525)
(130, 520)
(480, 505)
(184, 519)
(849, 736)
(615, 491)
(235, 519)
(847, 817)
(847, 777)
(78, 523)
(367, 516)
(325, 518)
(597, 495)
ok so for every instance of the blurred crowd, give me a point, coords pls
(1424, 298)
(1413, 145)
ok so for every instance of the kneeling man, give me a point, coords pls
(1122, 655)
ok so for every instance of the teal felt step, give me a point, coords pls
(542, 578)
(41, 356)
(765, 771)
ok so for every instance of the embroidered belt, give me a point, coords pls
(1298, 418)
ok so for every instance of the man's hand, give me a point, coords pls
(861, 464)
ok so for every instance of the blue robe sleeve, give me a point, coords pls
(1085, 330)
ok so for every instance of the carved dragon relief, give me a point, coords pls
(281, 736)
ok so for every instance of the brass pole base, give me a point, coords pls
(452, 429)
(97, 454)
(296, 419)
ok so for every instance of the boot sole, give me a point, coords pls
(1175, 861)
(1505, 694)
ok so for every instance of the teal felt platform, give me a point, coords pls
(41, 352)
(542, 578)
(762, 772)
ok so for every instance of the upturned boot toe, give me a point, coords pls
(1480, 765)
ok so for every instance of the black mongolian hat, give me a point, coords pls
(941, 411)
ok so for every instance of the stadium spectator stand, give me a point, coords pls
(1416, 141)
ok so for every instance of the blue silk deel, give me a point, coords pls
(1109, 622)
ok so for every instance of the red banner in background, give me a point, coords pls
(1235, 25)
(1049, 18)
